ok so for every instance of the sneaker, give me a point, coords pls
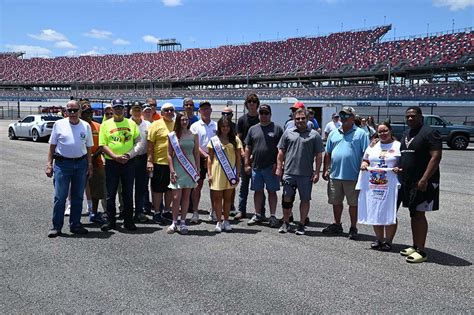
(166, 215)
(171, 229)
(284, 227)
(218, 227)
(386, 247)
(142, 218)
(376, 245)
(53, 233)
(130, 226)
(240, 215)
(273, 222)
(353, 233)
(212, 216)
(300, 229)
(226, 226)
(108, 226)
(183, 229)
(78, 230)
(255, 220)
(68, 210)
(96, 218)
(195, 218)
(157, 217)
(333, 229)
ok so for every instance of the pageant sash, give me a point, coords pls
(223, 160)
(182, 158)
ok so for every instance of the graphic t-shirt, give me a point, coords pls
(71, 140)
(264, 141)
(119, 136)
(379, 185)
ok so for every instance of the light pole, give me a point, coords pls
(388, 86)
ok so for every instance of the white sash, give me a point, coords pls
(182, 158)
(223, 160)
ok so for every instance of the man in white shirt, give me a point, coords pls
(205, 128)
(333, 124)
(70, 148)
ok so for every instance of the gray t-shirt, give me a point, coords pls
(264, 141)
(300, 149)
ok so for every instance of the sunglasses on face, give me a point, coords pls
(188, 105)
(264, 113)
(300, 119)
(72, 110)
(345, 116)
(118, 107)
(226, 114)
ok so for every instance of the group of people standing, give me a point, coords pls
(174, 153)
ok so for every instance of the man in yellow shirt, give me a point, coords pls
(118, 137)
(157, 160)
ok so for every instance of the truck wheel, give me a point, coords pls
(459, 142)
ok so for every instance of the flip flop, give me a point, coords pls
(408, 251)
(416, 257)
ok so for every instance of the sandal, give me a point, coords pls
(408, 251)
(385, 247)
(416, 257)
(376, 245)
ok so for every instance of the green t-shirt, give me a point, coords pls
(119, 136)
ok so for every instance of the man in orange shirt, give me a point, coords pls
(95, 187)
(152, 103)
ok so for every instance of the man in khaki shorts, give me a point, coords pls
(344, 150)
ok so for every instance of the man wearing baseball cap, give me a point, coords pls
(290, 124)
(118, 138)
(332, 125)
(344, 150)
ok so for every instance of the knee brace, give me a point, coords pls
(288, 204)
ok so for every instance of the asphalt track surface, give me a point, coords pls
(251, 270)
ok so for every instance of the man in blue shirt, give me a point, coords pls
(344, 150)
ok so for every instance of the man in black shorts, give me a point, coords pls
(421, 151)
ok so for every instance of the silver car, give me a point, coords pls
(36, 127)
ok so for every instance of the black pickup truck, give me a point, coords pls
(456, 136)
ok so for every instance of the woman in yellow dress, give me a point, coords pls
(223, 168)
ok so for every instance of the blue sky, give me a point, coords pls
(79, 27)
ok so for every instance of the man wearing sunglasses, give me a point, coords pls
(344, 150)
(300, 149)
(260, 162)
(157, 161)
(70, 148)
(118, 138)
(152, 104)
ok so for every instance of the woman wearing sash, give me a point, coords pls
(385, 153)
(223, 167)
(183, 159)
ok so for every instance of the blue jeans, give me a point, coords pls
(115, 173)
(67, 174)
(141, 181)
(244, 190)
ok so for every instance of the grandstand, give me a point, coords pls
(345, 65)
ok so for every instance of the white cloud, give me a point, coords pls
(98, 34)
(172, 3)
(454, 5)
(30, 51)
(49, 35)
(94, 51)
(150, 39)
(120, 41)
(65, 44)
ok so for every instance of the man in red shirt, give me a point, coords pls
(152, 103)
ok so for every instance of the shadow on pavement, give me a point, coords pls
(90, 234)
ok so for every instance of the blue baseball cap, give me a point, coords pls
(117, 102)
